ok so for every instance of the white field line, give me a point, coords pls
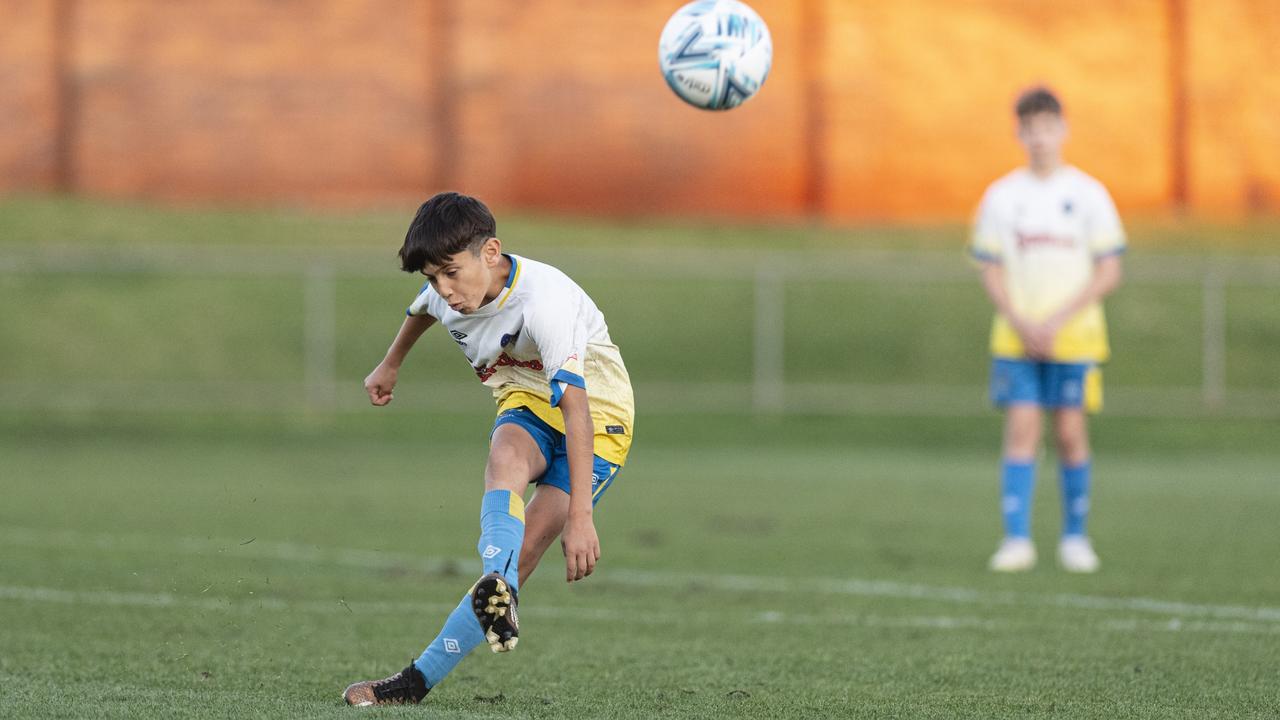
(935, 593)
(110, 598)
(249, 549)
(56, 596)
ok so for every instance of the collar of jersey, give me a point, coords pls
(496, 304)
(1061, 172)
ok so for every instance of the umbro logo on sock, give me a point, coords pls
(490, 552)
(451, 646)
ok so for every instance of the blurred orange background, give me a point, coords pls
(874, 110)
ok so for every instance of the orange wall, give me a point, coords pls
(244, 99)
(874, 110)
(1234, 86)
(922, 95)
(28, 95)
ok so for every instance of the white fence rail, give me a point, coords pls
(768, 391)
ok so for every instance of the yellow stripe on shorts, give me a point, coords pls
(1093, 390)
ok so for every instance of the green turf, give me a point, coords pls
(252, 566)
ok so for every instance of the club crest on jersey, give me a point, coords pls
(1067, 207)
(509, 338)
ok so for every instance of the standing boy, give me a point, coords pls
(1049, 242)
(564, 419)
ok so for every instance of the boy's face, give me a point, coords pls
(467, 280)
(1042, 135)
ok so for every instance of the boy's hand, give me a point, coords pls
(1041, 337)
(581, 547)
(1037, 338)
(380, 383)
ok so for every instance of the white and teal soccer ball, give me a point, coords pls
(715, 54)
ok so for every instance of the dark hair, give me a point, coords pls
(444, 226)
(1037, 100)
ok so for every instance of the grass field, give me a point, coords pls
(193, 564)
(252, 567)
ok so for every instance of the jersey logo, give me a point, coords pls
(615, 430)
(1067, 207)
(505, 360)
(1035, 240)
(458, 337)
(509, 338)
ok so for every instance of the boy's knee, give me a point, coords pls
(1022, 435)
(1074, 451)
(1073, 442)
(506, 455)
(512, 467)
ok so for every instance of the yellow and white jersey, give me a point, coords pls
(1047, 233)
(541, 334)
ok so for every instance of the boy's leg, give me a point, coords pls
(549, 508)
(515, 459)
(1068, 385)
(1016, 386)
(1075, 552)
(1022, 429)
(1071, 431)
(544, 520)
(1017, 483)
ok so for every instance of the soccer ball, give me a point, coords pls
(715, 53)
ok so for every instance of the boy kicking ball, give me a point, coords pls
(564, 423)
(1049, 242)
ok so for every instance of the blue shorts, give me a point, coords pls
(551, 442)
(1047, 384)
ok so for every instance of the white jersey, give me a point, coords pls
(541, 334)
(1047, 233)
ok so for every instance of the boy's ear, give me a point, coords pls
(491, 251)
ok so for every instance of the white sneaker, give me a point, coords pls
(1013, 555)
(1075, 554)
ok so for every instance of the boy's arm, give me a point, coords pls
(579, 541)
(1107, 274)
(382, 380)
(993, 283)
(1107, 243)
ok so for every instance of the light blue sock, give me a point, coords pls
(460, 635)
(1017, 480)
(501, 537)
(1075, 497)
(501, 534)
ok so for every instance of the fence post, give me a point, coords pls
(1215, 339)
(319, 353)
(767, 390)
